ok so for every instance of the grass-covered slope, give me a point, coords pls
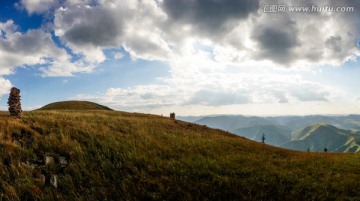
(319, 136)
(121, 156)
(74, 105)
(275, 135)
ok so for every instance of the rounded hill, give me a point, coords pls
(74, 105)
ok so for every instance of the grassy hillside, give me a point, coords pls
(319, 136)
(122, 156)
(74, 105)
(275, 135)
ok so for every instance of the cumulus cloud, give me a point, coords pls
(285, 39)
(66, 68)
(38, 6)
(210, 45)
(218, 89)
(35, 48)
(30, 48)
(236, 32)
(88, 30)
(209, 16)
(302, 38)
(139, 97)
(276, 39)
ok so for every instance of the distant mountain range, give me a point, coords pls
(304, 133)
(275, 135)
(320, 136)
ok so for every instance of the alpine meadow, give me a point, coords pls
(121, 100)
(129, 156)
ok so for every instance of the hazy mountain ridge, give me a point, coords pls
(233, 122)
(320, 136)
(298, 122)
(314, 133)
(275, 135)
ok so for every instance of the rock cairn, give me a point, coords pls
(14, 102)
(172, 115)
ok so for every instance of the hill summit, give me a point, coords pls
(74, 105)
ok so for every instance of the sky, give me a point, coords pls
(191, 57)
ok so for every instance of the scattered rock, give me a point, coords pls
(49, 160)
(54, 181)
(41, 172)
(63, 160)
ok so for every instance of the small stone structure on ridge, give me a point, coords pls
(172, 115)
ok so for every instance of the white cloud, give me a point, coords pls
(218, 87)
(220, 52)
(5, 86)
(36, 47)
(237, 33)
(88, 30)
(38, 6)
(139, 97)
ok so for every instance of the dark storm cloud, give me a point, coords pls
(209, 14)
(276, 40)
(96, 26)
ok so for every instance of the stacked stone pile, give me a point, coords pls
(14, 102)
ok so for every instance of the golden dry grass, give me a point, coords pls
(125, 156)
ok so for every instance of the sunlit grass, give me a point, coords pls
(123, 156)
